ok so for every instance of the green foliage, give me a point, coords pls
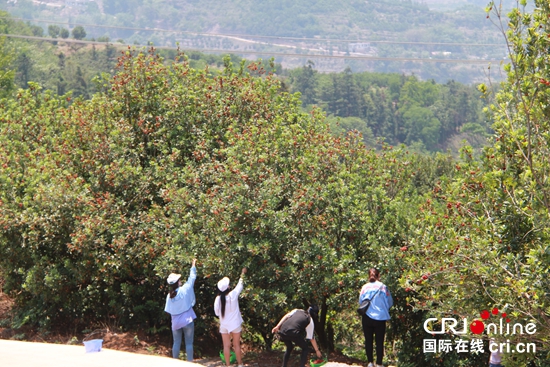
(340, 126)
(396, 108)
(37, 31)
(54, 30)
(102, 198)
(421, 125)
(64, 33)
(79, 32)
(326, 25)
(6, 73)
(64, 70)
(488, 226)
(304, 80)
(386, 104)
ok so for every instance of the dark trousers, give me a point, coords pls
(374, 330)
(292, 341)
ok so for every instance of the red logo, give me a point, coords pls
(477, 326)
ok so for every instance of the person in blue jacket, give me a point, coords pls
(374, 321)
(179, 304)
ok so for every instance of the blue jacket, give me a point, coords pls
(379, 308)
(185, 298)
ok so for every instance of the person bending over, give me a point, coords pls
(291, 330)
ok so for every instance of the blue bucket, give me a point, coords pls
(93, 346)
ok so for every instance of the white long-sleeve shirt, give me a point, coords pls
(232, 318)
(496, 356)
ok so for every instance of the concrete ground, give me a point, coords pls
(27, 354)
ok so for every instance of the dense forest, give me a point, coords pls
(398, 108)
(397, 31)
(122, 164)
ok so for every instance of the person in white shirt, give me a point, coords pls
(179, 304)
(495, 360)
(226, 307)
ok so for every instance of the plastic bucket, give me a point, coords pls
(232, 357)
(317, 362)
(93, 345)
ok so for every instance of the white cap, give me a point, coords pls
(173, 278)
(223, 284)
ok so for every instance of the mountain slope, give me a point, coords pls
(351, 33)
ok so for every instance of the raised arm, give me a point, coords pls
(239, 288)
(192, 274)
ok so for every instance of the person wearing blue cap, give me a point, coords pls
(179, 304)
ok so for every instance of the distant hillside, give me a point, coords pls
(455, 4)
(424, 115)
(365, 35)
